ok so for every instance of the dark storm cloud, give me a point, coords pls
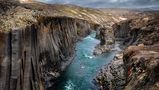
(106, 3)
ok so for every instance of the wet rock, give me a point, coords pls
(101, 49)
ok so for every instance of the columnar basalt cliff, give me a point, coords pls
(37, 43)
(136, 67)
(143, 29)
(33, 57)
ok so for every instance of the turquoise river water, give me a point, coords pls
(80, 73)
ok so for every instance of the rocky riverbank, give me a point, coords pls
(136, 67)
(112, 75)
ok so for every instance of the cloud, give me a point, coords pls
(117, 1)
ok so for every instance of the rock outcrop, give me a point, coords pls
(112, 75)
(106, 38)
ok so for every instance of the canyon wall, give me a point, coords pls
(32, 57)
(141, 30)
(37, 41)
(136, 67)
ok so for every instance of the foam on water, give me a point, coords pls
(69, 85)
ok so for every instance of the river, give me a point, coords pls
(82, 70)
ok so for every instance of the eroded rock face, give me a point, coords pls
(142, 67)
(31, 58)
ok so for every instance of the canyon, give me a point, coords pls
(37, 44)
(136, 67)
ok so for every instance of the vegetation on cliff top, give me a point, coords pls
(15, 14)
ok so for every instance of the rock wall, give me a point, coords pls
(121, 29)
(141, 30)
(142, 67)
(32, 57)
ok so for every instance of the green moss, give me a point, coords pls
(110, 42)
(78, 30)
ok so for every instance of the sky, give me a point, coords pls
(107, 3)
